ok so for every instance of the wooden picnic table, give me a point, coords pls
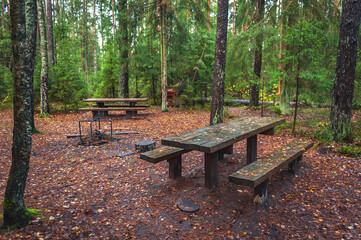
(218, 139)
(127, 104)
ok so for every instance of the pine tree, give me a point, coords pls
(341, 108)
(219, 63)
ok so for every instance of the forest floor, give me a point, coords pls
(88, 192)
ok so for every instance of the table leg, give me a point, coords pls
(95, 114)
(211, 169)
(251, 149)
(128, 114)
(102, 113)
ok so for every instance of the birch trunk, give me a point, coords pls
(44, 106)
(50, 32)
(16, 214)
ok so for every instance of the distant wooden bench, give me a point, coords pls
(103, 111)
(257, 174)
(172, 154)
(123, 105)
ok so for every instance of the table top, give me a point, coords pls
(115, 100)
(216, 137)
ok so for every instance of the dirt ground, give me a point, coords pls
(88, 192)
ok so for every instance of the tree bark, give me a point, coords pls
(209, 15)
(254, 86)
(341, 108)
(163, 42)
(124, 60)
(22, 16)
(31, 24)
(95, 41)
(50, 33)
(44, 106)
(84, 40)
(219, 73)
(234, 18)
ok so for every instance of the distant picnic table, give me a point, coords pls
(218, 139)
(103, 105)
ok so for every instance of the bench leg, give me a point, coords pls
(251, 149)
(102, 113)
(95, 114)
(294, 165)
(128, 114)
(175, 167)
(260, 192)
(211, 169)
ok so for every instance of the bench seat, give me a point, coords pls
(256, 174)
(172, 154)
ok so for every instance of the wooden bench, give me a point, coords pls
(257, 174)
(103, 111)
(122, 105)
(172, 154)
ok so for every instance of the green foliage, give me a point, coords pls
(350, 150)
(68, 84)
(6, 89)
(107, 78)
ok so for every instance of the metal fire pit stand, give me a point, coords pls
(97, 119)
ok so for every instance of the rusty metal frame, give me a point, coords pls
(97, 119)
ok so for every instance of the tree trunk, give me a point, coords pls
(31, 24)
(163, 42)
(254, 86)
(84, 41)
(341, 108)
(95, 42)
(15, 212)
(219, 73)
(3, 16)
(50, 33)
(209, 15)
(124, 60)
(234, 18)
(44, 106)
(297, 93)
(113, 13)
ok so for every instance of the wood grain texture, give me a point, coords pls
(254, 174)
(162, 153)
(216, 137)
(115, 100)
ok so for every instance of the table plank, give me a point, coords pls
(115, 100)
(216, 137)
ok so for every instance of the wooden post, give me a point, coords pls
(211, 169)
(261, 192)
(251, 149)
(294, 165)
(129, 114)
(95, 114)
(175, 167)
